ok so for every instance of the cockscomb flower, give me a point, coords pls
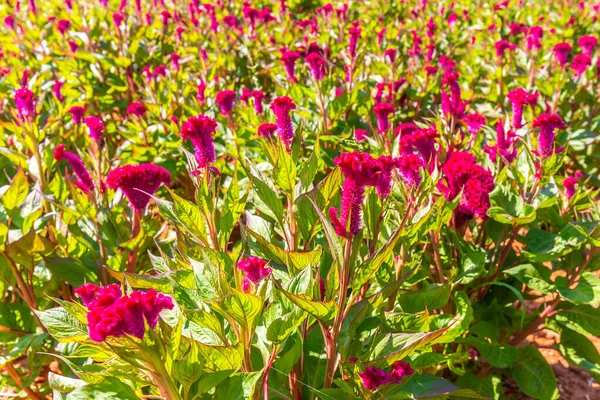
(281, 107)
(118, 20)
(289, 58)
(409, 166)
(73, 46)
(382, 112)
(517, 28)
(447, 63)
(136, 109)
(254, 269)
(453, 104)
(506, 145)
(580, 63)
(175, 61)
(547, 123)
(160, 70)
(9, 21)
(225, 100)
(535, 34)
(354, 33)
(360, 134)
(77, 113)
(165, 17)
(405, 129)
(380, 86)
(112, 314)
(587, 44)
(373, 377)
(561, 52)
(25, 103)
(84, 181)
(199, 130)
(401, 369)
(474, 123)
(569, 184)
(518, 98)
(258, 96)
(56, 90)
(317, 66)
(421, 141)
(95, 126)
(503, 45)
(267, 130)
(245, 95)
(430, 70)
(63, 25)
(230, 21)
(201, 88)
(391, 55)
(138, 182)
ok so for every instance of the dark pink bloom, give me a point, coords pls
(587, 44)
(136, 109)
(452, 19)
(518, 98)
(159, 70)
(225, 100)
(175, 61)
(281, 107)
(73, 46)
(547, 123)
(138, 182)
(409, 166)
(580, 63)
(77, 113)
(254, 269)
(56, 90)
(417, 41)
(354, 33)
(453, 104)
(179, 32)
(447, 64)
(517, 28)
(535, 34)
(230, 21)
(199, 130)
(95, 126)
(569, 184)
(561, 52)
(117, 20)
(258, 96)
(430, 70)
(360, 135)
(420, 141)
(9, 21)
(372, 378)
(63, 25)
(430, 27)
(25, 103)
(405, 129)
(165, 17)
(201, 88)
(381, 36)
(474, 123)
(502, 46)
(245, 95)
(317, 66)
(289, 59)
(380, 88)
(506, 145)
(391, 55)
(401, 369)
(267, 130)
(382, 112)
(84, 181)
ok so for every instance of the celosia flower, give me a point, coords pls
(258, 96)
(84, 181)
(360, 135)
(77, 113)
(245, 95)
(405, 129)
(516, 29)
(416, 47)
(587, 44)
(199, 131)
(409, 166)
(535, 34)
(391, 55)
(175, 61)
(354, 33)
(502, 46)
(547, 123)
(380, 88)
(117, 20)
(580, 63)
(179, 32)
(569, 184)
(95, 126)
(56, 90)
(165, 17)
(224, 100)
(372, 377)
(430, 27)
(267, 130)
(25, 103)
(518, 98)
(421, 141)
(136, 109)
(230, 21)
(138, 182)
(561, 52)
(453, 104)
(401, 369)
(474, 123)
(254, 271)
(160, 70)
(63, 25)
(430, 69)
(201, 88)
(382, 112)
(447, 64)
(73, 46)
(506, 145)
(289, 59)
(9, 21)
(317, 66)
(281, 107)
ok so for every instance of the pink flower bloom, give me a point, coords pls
(535, 34)
(569, 184)
(453, 104)
(136, 109)
(518, 98)
(580, 63)
(430, 27)
(409, 166)
(391, 55)
(267, 130)
(159, 70)
(561, 52)
(246, 95)
(474, 123)
(25, 103)
(281, 107)
(405, 129)
(230, 21)
(447, 64)
(95, 127)
(199, 130)
(360, 135)
(63, 25)
(165, 17)
(372, 378)
(258, 96)
(175, 61)
(117, 20)
(201, 88)
(179, 32)
(506, 145)
(73, 46)
(56, 90)
(9, 21)
(317, 66)
(381, 36)
(430, 70)
(547, 123)
(382, 112)
(289, 62)
(254, 269)
(84, 181)
(502, 46)
(224, 100)
(138, 182)
(517, 28)
(587, 44)
(354, 33)
(421, 141)
(401, 369)
(77, 113)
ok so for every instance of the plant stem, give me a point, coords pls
(17, 378)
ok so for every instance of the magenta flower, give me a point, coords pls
(136, 109)
(138, 182)
(535, 34)
(63, 25)
(391, 55)
(56, 90)
(405, 129)
(382, 112)
(561, 52)
(503, 45)
(254, 269)
(9, 21)
(587, 44)
(354, 33)
(282, 106)
(84, 181)
(258, 96)
(517, 28)
(199, 130)
(580, 63)
(400, 370)
(518, 98)
(474, 123)
(409, 166)
(317, 66)
(224, 100)
(360, 135)
(380, 88)
(77, 113)
(165, 17)
(372, 378)
(230, 21)
(118, 20)
(506, 145)
(420, 141)
(453, 104)
(95, 126)
(201, 88)
(430, 70)
(447, 64)
(569, 184)
(547, 123)
(245, 95)
(289, 59)
(430, 27)
(24, 102)
(175, 61)
(73, 46)
(160, 70)
(267, 130)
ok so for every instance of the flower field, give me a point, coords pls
(378, 199)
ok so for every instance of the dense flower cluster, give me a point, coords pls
(281, 107)
(506, 144)
(199, 130)
(547, 123)
(138, 182)
(373, 377)
(254, 269)
(25, 103)
(95, 126)
(518, 98)
(570, 182)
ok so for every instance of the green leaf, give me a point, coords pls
(283, 326)
(584, 319)
(431, 298)
(370, 266)
(63, 326)
(533, 277)
(489, 386)
(499, 356)
(323, 311)
(209, 381)
(508, 208)
(244, 308)
(221, 358)
(587, 290)
(268, 196)
(16, 192)
(64, 384)
(109, 389)
(284, 172)
(431, 387)
(464, 317)
(534, 376)
(580, 351)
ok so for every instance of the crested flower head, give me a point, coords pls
(267, 130)
(138, 182)
(317, 66)
(199, 130)
(401, 369)
(84, 181)
(405, 129)
(95, 126)
(390, 54)
(580, 63)
(474, 123)
(506, 145)
(254, 269)
(201, 88)
(533, 39)
(73, 46)
(382, 112)
(547, 123)
(569, 184)
(409, 165)
(25, 103)
(281, 107)
(118, 20)
(421, 141)
(289, 58)
(503, 45)
(561, 52)
(360, 134)
(453, 104)
(136, 109)
(63, 25)
(354, 33)
(518, 98)
(56, 90)
(77, 113)
(373, 377)
(587, 44)
(225, 101)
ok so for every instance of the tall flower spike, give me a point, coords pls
(138, 182)
(56, 90)
(561, 52)
(267, 130)
(258, 96)
(95, 126)
(317, 66)
(382, 112)
(518, 98)
(452, 104)
(199, 130)
(421, 141)
(506, 145)
(354, 33)
(225, 100)
(409, 166)
(569, 184)
(289, 59)
(547, 123)
(282, 106)
(84, 181)
(25, 103)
